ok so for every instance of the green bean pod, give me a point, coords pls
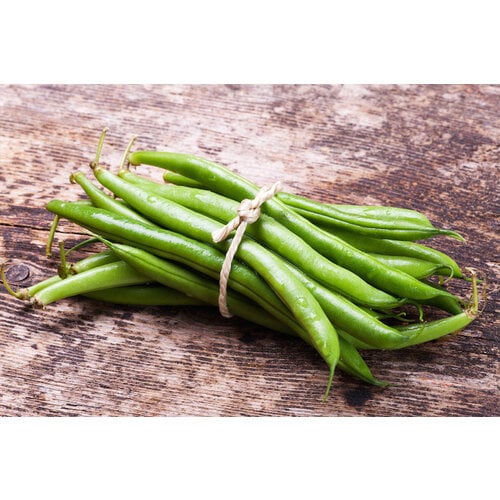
(421, 332)
(328, 216)
(98, 278)
(417, 268)
(143, 295)
(83, 265)
(352, 363)
(374, 232)
(399, 248)
(377, 217)
(102, 200)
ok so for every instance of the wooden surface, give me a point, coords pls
(432, 148)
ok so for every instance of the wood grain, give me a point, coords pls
(432, 148)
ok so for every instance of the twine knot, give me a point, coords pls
(248, 212)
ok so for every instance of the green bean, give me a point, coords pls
(102, 200)
(77, 267)
(399, 248)
(442, 302)
(422, 332)
(266, 230)
(94, 260)
(144, 295)
(385, 219)
(109, 275)
(410, 234)
(432, 330)
(380, 212)
(225, 182)
(381, 227)
(181, 180)
(393, 249)
(352, 363)
(417, 268)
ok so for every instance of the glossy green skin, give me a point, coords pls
(399, 248)
(265, 230)
(352, 363)
(385, 219)
(340, 311)
(394, 250)
(144, 295)
(95, 260)
(77, 267)
(102, 200)
(417, 268)
(208, 260)
(421, 332)
(223, 181)
(400, 230)
(375, 232)
(109, 275)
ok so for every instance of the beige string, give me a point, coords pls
(248, 213)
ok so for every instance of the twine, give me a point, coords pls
(248, 213)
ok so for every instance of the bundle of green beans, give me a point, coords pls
(338, 276)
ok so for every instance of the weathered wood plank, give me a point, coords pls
(433, 148)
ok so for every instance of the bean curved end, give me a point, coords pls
(455, 235)
(380, 383)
